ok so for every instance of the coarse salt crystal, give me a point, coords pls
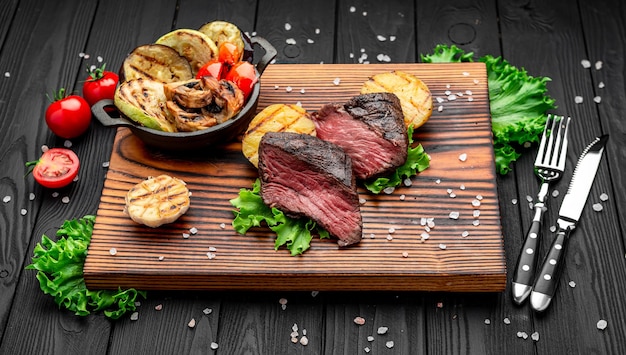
(425, 236)
(370, 338)
(193, 230)
(402, 197)
(507, 321)
(470, 99)
(382, 330)
(31, 196)
(367, 349)
(6, 199)
(476, 213)
(602, 324)
(597, 207)
(597, 99)
(67, 143)
(552, 229)
(161, 258)
(287, 26)
(555, 193)
(288, 89)
(317, 31)
(389, 190)
(290, 41)
(337, 81)
(65, 199)
(192, 323)
(604, 197)
(465, 234)
(364, 13)
(282, 301)
(454, 215)
(578, 99)
(476, 223)
(381, 38)
(601, 85)
(7, 74)
(23, 212)
(359, 320)
(535, 336)
(442, 246)
(463, 157)
(514, 201)
(214, 345)
(315, 293)
(598, 65)
(304, 340)
(572, 284)
(134, 316)
(222, 225)
(405, 254)
(389, 237)
(302, 91)
(113, 251)
(185, 235)
(158, 307)
(440, 108)
(210, 255)
(392, 38)
(476, 203)
(352, 9)
(452, 97)
(106, 164)
(585, 63)
(389, 344)
(276, 87)
(487, 321)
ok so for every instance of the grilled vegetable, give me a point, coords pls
(143, 101)
(274, 118)
(201, 103)
(157, 201)
(156, 62)
(221, 32)
(415, 97)
(194, 45)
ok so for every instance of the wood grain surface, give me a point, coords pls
(458, 256)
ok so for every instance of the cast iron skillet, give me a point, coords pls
(179, 141)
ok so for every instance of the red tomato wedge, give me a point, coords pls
(212, 68)
(56, 168)
(244, 76)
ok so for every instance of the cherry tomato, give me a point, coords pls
(56, 168)
(229, 54)
(244, 76)
(212, 68)
(68, 116)
(99, 85)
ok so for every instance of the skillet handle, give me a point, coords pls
(270, 53)
(102, 114)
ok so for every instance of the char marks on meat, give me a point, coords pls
(371, 130)
(303, 175)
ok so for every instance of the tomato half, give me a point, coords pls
(244, 76)
(100, 84)
(212, 68)
(56, 168)
(68, 116)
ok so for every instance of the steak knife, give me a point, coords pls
(569, 214)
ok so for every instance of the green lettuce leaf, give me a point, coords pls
(294, 233)
(518, 103)
(59, 268)
(417, 161)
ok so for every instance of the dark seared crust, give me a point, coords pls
(381, 112)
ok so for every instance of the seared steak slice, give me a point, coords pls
(371, 130)
(302, 175)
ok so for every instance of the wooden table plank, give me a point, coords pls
(475, 263)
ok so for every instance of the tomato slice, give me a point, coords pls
(56, 168)
(229, 54)
(212, 68)
(244, 76)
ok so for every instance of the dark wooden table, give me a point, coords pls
(40, 43)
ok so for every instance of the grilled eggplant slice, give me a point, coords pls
(144, 101)
(222, 31)
(157, 200)
(156, 62)
(274, 118)
(194, 45)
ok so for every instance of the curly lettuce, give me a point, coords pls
(59, 268)
(294, 233)
(518, 103)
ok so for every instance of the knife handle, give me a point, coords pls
(551, 270)
(527, 262)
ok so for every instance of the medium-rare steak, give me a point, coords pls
(303, 175)
(371, 130)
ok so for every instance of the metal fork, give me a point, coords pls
(549, 167)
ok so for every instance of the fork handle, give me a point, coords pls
(524, 275)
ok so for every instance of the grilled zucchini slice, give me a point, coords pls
(414, 94)
(156, 62)
(274, 118)
(222, 31)
(157, 201)
(143, 101)
(194, 45)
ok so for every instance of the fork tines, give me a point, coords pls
(553, 144)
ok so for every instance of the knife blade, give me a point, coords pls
(569, 214)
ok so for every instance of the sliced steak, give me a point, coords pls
(303, 175)
(371, 130)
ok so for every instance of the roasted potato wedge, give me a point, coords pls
(414, 94)
(156, 62)
(143, 101)
(194, 45)
(222, 31)
(274, 118)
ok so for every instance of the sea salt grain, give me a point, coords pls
(535, 336)
(7, 74)
(572, 284)
(598, 65)
(601, 85)
(578, 99)
(6, 199)
(487, 321)
(585, 63)
(287, 26)
(352, 9)
(134, 316)
(507, 321)
(381, 38)
(454, 215)
(113, 251)
(602, 324)
(359, 320)
(604, 197)
(290, 41)
(23, 212)
(382, 330)
(389, 344)
(193, 230)
(442, 246)
(463, 157)
(597, 207)
(192, 323)
(214, 345)
(337, 81)
(65, 199)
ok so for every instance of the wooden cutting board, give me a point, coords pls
(463, 253)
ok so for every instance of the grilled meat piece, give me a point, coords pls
(371, 130)
(305, 176)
